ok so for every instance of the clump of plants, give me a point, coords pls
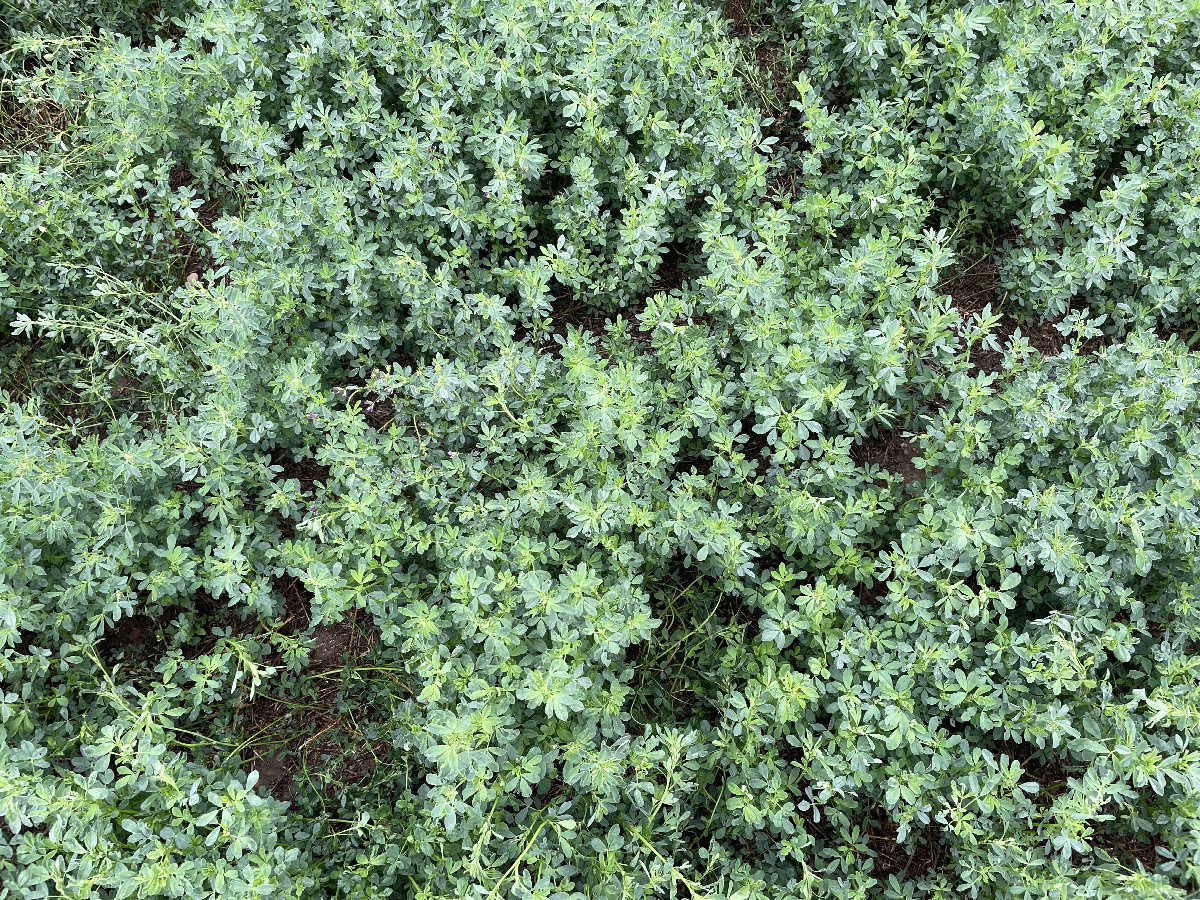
(591, 449)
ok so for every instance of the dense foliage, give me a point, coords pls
(495, 448)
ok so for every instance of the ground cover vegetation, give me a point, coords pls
(497, 448)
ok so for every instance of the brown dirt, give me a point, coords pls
(1129, 851)
(698, 465)
(927, 853)
(331, 766)
(755, 449)
(892, 452)
(568, 312)
(872, 597)
(125, 387)
(1188, 335)
(1050, 772)
(972, 285)
(379, 413)
(758, 32)
(188, 487)
(276, 776)
(30, 126)
(740, 16)
(129, 635)
(292, 735)
(193, 259)
(922, 853)
(672, 271)
(218, 614)
(297, 598)
(975, 283)
(334, 641)
(21, 382)
(307, 471)
(26, 641)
